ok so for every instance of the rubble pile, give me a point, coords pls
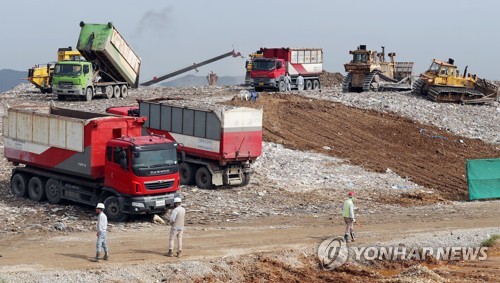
(328, 79)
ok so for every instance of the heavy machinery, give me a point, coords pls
(268, 71)
(192, 67)
(90, 158)
(369, 71)
(41, 76)
(248, 66)
(442, 82)
(217, 143)
(111, 68)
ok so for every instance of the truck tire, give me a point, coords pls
(88, 94)
(186, 173)
(53, 191)
(203, 178)
(316, 85)
(113, 210)
(281, 86)
(36, 189)
(124, 91)
(308, 85)
(61, 97)
(109, 92)
(19, 185)
(116, 91)
(246, 179)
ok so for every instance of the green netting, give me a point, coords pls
(483, 177)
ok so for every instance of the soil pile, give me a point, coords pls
(381, 142)
(328, 79)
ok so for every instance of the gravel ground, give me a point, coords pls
(283, 179)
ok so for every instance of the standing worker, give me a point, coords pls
(177, 222)
(102, 232)
(300, 83)
(348, 215)
(288, 83)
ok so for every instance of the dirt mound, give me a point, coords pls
(425, 154)
(328, 79)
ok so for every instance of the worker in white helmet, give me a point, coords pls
(300, 83)
(177, 230)
(348, 214)
(102, 232)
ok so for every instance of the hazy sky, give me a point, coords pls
(169, 35)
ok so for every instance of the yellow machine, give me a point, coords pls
(369, 71)
(442, 82)
(41, 76)
(248, 66)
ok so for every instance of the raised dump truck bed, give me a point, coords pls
(103, 44)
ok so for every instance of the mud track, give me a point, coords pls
(425, 154)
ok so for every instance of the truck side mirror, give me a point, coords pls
(123, 160)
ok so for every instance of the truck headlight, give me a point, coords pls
(138, 204)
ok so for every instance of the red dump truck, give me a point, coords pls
(90, 158)
(268, 71)
(216, 143)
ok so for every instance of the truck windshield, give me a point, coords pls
(67, 70)
(154, 158)
(263, 65)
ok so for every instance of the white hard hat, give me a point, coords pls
(100, 205)
(177, 199)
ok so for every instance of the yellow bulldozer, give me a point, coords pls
(41, 75)
(442, 82)
(369, 71)
(248, 66)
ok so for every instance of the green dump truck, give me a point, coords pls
(110, 69)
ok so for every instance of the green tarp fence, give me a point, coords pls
(483, 177)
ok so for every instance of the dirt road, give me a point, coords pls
(35, 251)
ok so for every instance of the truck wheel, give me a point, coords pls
(124, 91)
(116, 91)
(308, 85)
(88, 94)
(113, 210)
(281, 86)
(315, 85)
(61, 97)
(203, 178)
(109, 92)
(36, 189)
(246, 179)
(186, 173)
(53, 191)
(19, 185)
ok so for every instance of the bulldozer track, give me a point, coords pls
(453, 94)
(346, 82)
(367, 83)
(417, 87)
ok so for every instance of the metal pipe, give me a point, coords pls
(192, 67)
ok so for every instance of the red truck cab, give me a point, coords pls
(144, 168)
(268, 71)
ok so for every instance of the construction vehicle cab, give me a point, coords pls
(442, 82)
(41, 76)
